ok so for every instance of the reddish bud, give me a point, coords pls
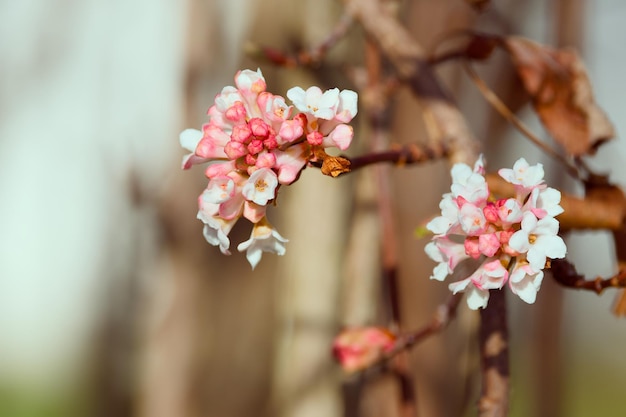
(241, 133)
(236, 112)
(259, 128)
(255, 146)
(315, 138)
(357, 348)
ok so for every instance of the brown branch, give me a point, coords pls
(400, 155)
(442, 317)
(494, 355)
(448, 126)
(309, 58)
(564, 272)
(379, 125)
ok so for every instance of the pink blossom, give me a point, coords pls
(359, 347)
(253, 143)
(513, 237)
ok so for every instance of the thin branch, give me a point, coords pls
(564, 272)
(401, 155)
(309, 58)
(379, 124)
(444, 314)
(505, 112)
(409, 60)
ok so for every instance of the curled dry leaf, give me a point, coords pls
(561, 94)
(335, 166)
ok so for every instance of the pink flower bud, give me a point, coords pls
(250, 159)
(270, 143)
(236, 112)
(266, 160)
(235, 150)
(241, 133)
(357, 348)
(290, 130)
(472, 247)
(488, 244)
(255, 146)
(315, 138)
(491, 213)
(259, 128)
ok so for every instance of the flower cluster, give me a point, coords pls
(254, 143)
(514, 237)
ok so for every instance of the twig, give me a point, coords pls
(442, 317)
(505, 112)
(310, 57)
(389, 269)
(401, 155)
(564, 272)
(409, 60)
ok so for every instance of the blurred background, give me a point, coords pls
(112, 303)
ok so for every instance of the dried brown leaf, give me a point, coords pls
(561, 94)
(335, 165)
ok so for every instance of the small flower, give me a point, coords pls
(448, 253)
(524, 176)
(260, 186)
(469, 184)
(525, 282)
(264, 238)
(544, 202)
(538, 239)
(315, 102)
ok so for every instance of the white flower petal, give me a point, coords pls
(477, 298)
(189, 139)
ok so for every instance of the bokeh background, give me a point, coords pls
(112, 304)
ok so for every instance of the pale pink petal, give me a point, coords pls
(253, 212)
(347, 108)
(290, 130)
(340, 137)
(290, 162)
(218, 169)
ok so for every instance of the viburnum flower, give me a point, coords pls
(514, 237)
(254, 143)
